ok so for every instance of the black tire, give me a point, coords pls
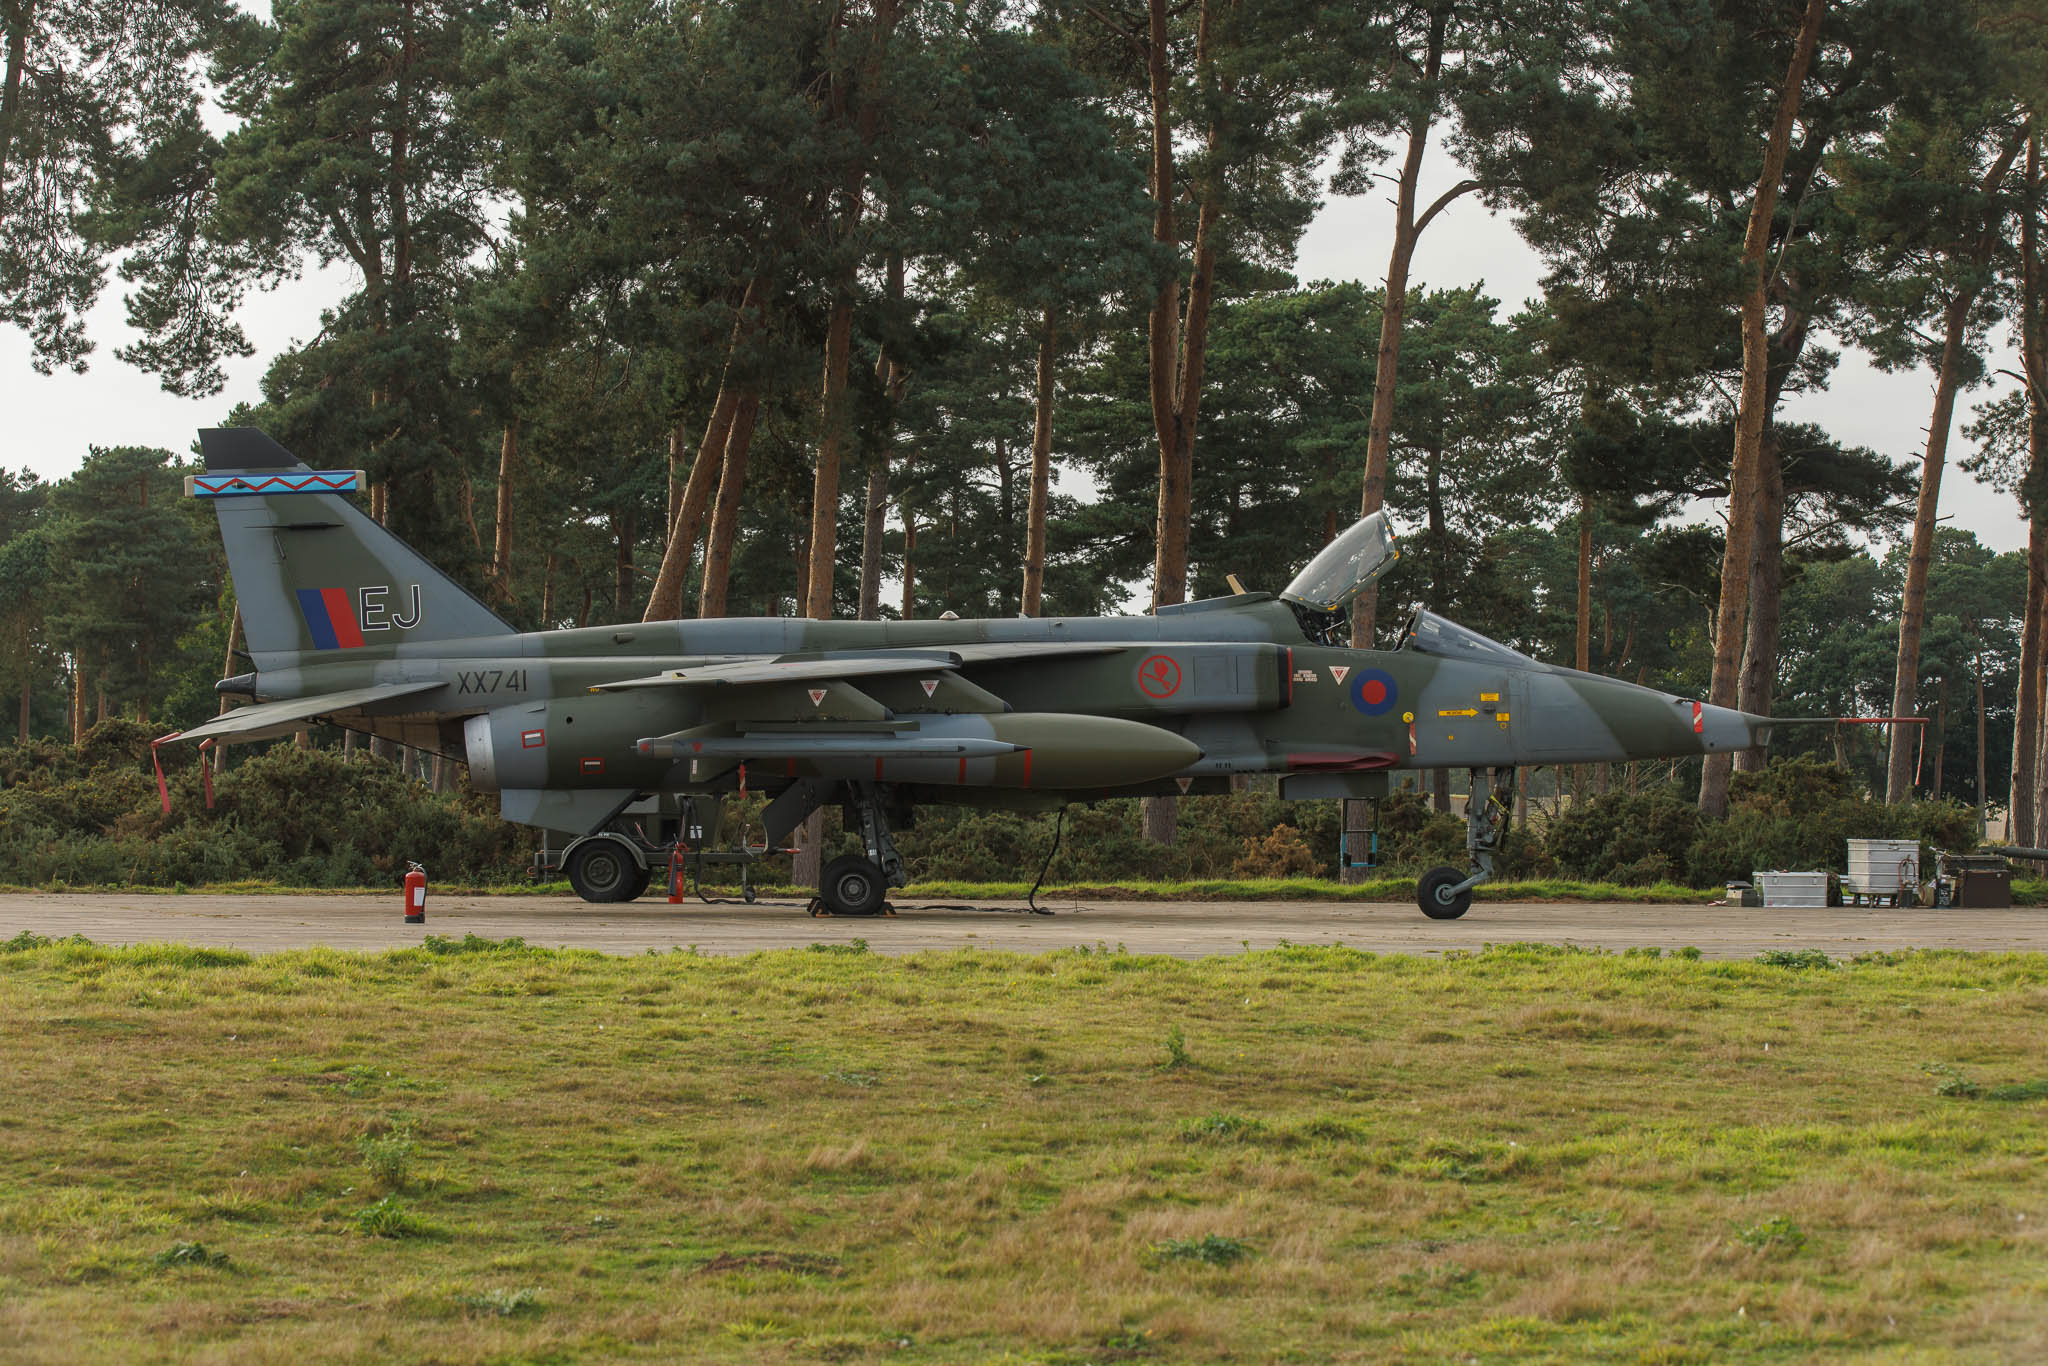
(640, 884)
(850, 885)
(604, 870)
(1433, 893)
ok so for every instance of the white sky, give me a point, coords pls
(50, 421)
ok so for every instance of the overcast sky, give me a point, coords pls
(51, 420)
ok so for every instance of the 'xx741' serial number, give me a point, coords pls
(490, 680)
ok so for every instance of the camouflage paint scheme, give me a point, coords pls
(568, 725)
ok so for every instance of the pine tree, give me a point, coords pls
(86, 92)
(128, 576)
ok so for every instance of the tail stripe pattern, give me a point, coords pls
(330, 617)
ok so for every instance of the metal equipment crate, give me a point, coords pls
(1975, 880)
(1882, 870)
(1793, 889)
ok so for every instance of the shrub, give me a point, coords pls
(1802, 813)
(1280, 852)
(1630, 838)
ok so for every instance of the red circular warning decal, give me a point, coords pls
(1159, 677)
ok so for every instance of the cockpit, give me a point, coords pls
(1429, 634)
(1322, 593)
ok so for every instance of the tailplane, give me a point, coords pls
(312, 573)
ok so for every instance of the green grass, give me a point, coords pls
(1304, 1154)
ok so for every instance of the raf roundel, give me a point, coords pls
(1374, 692)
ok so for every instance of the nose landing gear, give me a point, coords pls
(1445, 893)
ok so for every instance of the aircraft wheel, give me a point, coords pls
(850, 885)
(604, 869)
(1433, 893)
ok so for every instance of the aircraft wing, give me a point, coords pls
(267, 720)
(853, 664)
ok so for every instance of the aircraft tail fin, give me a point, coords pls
(313, 574)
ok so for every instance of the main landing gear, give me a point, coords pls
(1445, 893)
(858, 884)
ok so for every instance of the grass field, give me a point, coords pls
(478, 1153)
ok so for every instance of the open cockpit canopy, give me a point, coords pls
(1343, 568)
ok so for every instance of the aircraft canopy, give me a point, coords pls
(1343, 568)
(1430, 634)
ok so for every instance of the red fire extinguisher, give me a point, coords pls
(415, 894)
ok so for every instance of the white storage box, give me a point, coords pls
(1793, 889)
(1882, 867)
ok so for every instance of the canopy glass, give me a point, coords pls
(1344, 567)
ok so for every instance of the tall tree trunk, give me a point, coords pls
(1766, 583)
(1163, 324)
(725, 518)
(547, 592)
(1408, 230)
(1178, 350)
(10, 91)
(686, 512)
(1913, 602)
(873, 527)
(1178, 344)
(1582, 657)
(2026, 810)
(27, 686)
(1898, 784)
(1387, 360)
(1983, 803)
(909, 563)
(1940, 740)
(2026, 731)
(227, 669)
(625, 522)
(77, 702)
(1041, 473)
(825, 488)
(891, 374)
(1751, 412)
(501, 533)
(665, 599)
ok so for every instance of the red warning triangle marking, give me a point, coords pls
(817, 696)
(1337, 672)
(1185, 783)
(930, 685)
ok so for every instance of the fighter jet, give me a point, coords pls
(622, 742)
